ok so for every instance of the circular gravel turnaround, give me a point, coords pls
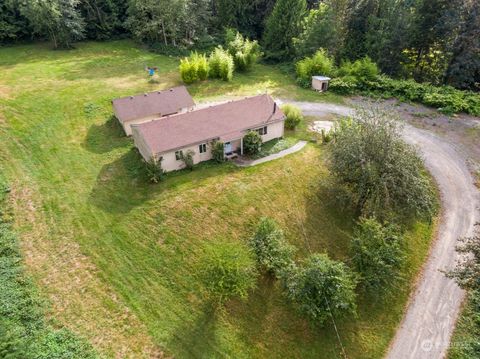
(429, 321)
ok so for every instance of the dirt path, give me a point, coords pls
(427, 326)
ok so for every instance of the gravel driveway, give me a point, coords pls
(429, 321)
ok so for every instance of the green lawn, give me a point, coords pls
(117, 256)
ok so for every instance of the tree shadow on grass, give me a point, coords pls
(123, 184)
(196, 339)
(105, 137)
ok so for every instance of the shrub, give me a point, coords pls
(188, 70)
(227, 270)
(319, 64)
(187, 159)
(293, 114)
(271, 249)
(362, 70)
(343, 85)
(244, 52)
(193, 68)
(377, 253)
(252, 143)
(384, 175)
(221, 64)
(218, 151)
(323, 287)
(155, 172)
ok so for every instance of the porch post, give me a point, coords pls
(241, 146)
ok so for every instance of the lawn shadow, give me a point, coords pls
(196, 339)
(105, 137)
(124, 184)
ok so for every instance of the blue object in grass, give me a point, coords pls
(151, 71)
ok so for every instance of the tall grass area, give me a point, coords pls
(24, 330)
(82, 204)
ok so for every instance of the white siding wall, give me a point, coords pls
(274, 130)
(170, 163)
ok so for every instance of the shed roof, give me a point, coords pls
(178, 131)
(321, 78)
(159, 103)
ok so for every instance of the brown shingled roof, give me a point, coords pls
(159, 103)
(178, 131)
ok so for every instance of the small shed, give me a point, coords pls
(320, 83)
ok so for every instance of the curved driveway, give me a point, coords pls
(427, 326)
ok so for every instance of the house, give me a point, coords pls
(146, 107)
(168, 138)
(320, 83)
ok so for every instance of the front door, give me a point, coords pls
(228, 148)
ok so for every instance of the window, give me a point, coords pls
(202, 148)
(179, 155)
(262, 131)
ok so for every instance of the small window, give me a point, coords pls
(262, 131)
(202, 148)
(179, 155)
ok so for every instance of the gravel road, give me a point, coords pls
(427, 326)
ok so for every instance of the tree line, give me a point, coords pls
(435, 41)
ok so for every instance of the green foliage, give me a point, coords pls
(244, 51)
(377, 253)
(323, 287)
(193, 68)
(218, 151)
(59, 20)
(361, 70)
(282, 26)
(188, 159)
(24, 331)
(155, 172)
(319, 30)
(318, 64)
(293, 114)
(252, 143)
(383, 173)
(271, 248)
(227, 270)
(221, 64)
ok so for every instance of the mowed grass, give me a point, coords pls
(117, 257)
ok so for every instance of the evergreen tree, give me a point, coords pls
(435, 25)
(282, 26)
(464, 68)
(319, 30)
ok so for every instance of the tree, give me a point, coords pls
(271, 248)
(103, 18)
(323, 287)
(319, 30)
(227, 270)
(282, 26)
(59, 20)
(383, 174)
(377, 253)
(252, 143)
(467, 271)
(13, 25)
(464, 68)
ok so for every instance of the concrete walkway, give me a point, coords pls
(248, 163)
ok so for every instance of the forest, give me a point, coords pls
(434, 41)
